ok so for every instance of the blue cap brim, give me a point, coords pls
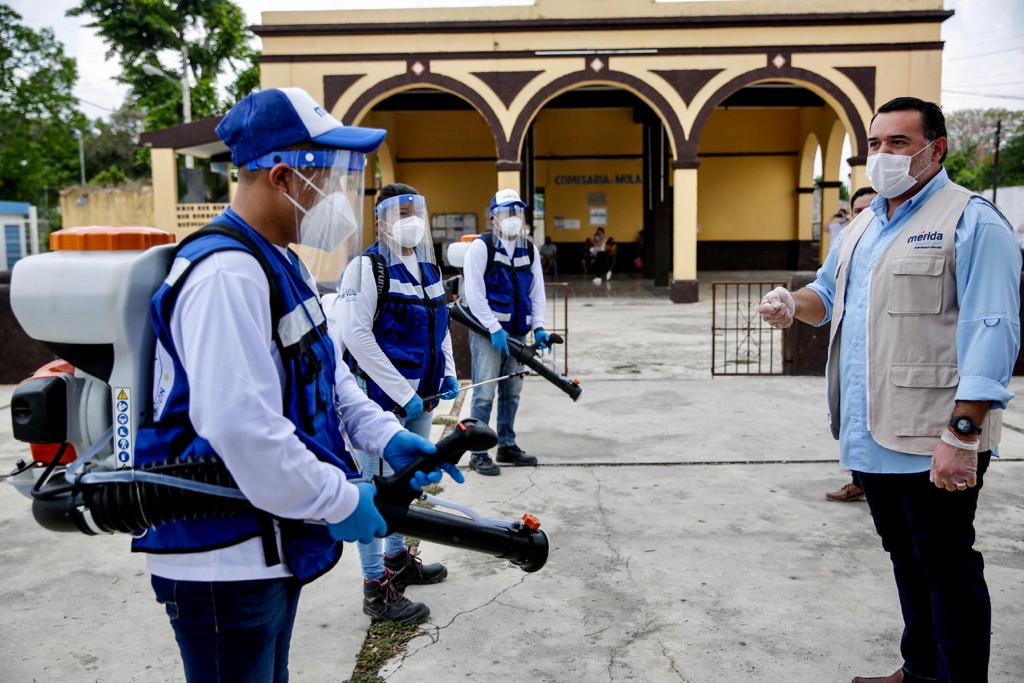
(354, 138)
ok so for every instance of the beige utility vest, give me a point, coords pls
(911, 329)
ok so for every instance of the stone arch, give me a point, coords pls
(639, 87)
(829, 91)
(408, 81)
(832, 151)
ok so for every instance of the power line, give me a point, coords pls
(987, 54)
(98, 106)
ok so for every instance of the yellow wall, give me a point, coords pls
(449, 186)
(107, 206)
(749, 197)
(562, 132)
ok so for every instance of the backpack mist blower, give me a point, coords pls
(88, 301)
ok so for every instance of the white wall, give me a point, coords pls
(1010, 201)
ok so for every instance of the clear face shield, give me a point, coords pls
(509, 222)
(403, 231)
(328, 205)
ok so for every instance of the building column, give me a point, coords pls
(509, 175)
(829, 205)
(807, 259)
(165, 189)
(858, 174)
(683, 288)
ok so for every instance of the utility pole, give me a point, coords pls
(995, 164)
(81, 153)
(186, 97)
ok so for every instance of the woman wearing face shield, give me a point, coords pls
(393, 324)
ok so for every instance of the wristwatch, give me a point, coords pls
(964, 426)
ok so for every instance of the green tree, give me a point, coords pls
(202, 39)
(114, 142)
(971, 134)
(38, 114)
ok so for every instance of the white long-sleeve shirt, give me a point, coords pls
(350, 322)
(221, 327)
(475, 291)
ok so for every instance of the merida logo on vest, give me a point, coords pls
(926, 240)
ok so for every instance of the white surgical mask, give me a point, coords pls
(408, 232)
(327, 223)
(511, 226)
(890, 173)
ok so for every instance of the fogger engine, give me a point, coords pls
(88, 301)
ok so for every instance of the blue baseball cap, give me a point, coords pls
(277, 118)
(506, 197)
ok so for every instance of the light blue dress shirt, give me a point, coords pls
(988, 266)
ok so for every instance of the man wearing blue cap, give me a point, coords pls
(247, 375)
(505, 292)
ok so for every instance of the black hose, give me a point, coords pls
(520, 351)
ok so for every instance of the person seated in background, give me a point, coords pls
(548, 260)
(587, 255)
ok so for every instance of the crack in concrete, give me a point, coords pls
(602, 514)
(671, 661)
(532, 484)
(435, 635)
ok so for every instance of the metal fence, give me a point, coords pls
(557, 317)
(741, 343)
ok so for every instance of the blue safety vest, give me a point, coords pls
(307, 352)
(410, 326)
(508, 281)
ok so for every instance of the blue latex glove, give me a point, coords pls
(405, 447)
(365, 522)
(541, 337)
(449, 388)
(499, 340)
(414, 408)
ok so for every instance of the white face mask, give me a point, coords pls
(327, 223)
(890, 173)
(511, 226)
(408, 232)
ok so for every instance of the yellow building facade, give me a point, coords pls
(688, 130)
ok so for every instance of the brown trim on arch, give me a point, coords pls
(686, 163)
(830, 184)
(506, 84)
(335, 86)
(766, 73)
(568, 81)
(805, 190)
(428, 78)
(687, 82)
(864, 78)
(606, 23)
(661, 52)
(506, 165)
(861, 160)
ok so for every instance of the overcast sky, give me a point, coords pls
(983, 60)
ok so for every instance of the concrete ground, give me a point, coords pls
(690, 541)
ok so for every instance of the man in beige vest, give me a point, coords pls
(922, 293)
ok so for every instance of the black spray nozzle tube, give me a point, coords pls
(128, 507)
(523, 353)
(524, 547)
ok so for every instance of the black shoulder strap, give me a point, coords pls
(381, 279)
(228, 230)
(529, 249)
(489, 241)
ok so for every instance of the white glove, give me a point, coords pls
(777, 308)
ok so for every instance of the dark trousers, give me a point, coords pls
(231, 630)
(929, 535)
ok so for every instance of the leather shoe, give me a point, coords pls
(896, 677)
(847, 494)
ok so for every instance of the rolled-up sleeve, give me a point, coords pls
(824, 284)
(988, 264)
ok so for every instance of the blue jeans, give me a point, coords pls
(929, 535)
(231, 630)
(489, 363)
(371, 554)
